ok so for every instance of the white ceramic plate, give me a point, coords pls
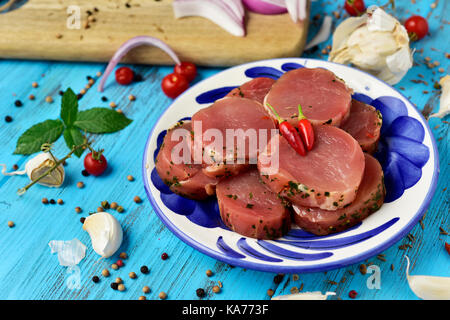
(407, 153)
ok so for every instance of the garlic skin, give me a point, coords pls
(444, 102)
(315, 295)
(428, 287)
(376, 43)
(37, 166)
(105, 232)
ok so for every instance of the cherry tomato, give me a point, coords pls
(417, 27)
(95, 166)
(124, 75)
(186, 69)
(355, 7)
(174, 84)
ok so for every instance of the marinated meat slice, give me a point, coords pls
(243, 120)
(369, 199)
(255, 89)
(249, 208)
(183, 178)
(364, 124)
(325, 99)
(327, 177)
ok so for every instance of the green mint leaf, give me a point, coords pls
(74, 137)
(69, 107)
(44, 132)
(101, 120)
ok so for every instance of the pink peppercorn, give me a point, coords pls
(120, 263)
(164, 256)
(352, 294)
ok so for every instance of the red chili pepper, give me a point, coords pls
(289, 133)
(306, 129)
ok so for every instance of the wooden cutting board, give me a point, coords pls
(38, 30)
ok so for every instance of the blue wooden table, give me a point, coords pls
(29, 271)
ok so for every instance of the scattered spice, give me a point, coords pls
(162, 295)
(120, 263)
(52, 201)
(34, 84)
(123, 255)
(48, 99)
(352, 294)
(120, 209)
(142, 298)
(60, 201)
(200, 293)
(112, 105)
(209, 273)
(100, 209)
(132, 275)
(114, 266)
(113, 205)
(146, 289)
(78, 209)
(15, 167)
(31, 97)
(85, 173)
(131, 97)
(8, 119)
(270, 293)
(216, 289)
(105, 273)
(18, 103)
(121, 287)
(44, 200)
(294, 290)
(118, 280)
(114, 286)
(104, 99)
(137, 199)
(164, 256)
(105, 204)
(363, 269)
(130, 178)
(95, 279)
(278, 278)
(80, 184)
(11, 224)
(82, 219)
(144, 269)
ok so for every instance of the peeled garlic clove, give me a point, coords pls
(429, 287)
(444, 102)
(37, 166)
(105, 232)
(315, 295)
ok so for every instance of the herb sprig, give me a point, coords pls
(71, 125)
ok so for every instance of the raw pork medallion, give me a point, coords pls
(325, 99)
(185, 179)
(327, 177)
(255, 89)
(249, 208)
(233, 113)
(364, 124)
(369, 199)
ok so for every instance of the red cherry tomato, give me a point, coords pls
(417, 27)
(355, 7)
(174, 84)
(124, 75)
(95, 166)
(186, 69)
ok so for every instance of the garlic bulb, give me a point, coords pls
(105, 232)
(444, 103)
(315, 295)
(37, 166)
(376, 42)
(429, 287)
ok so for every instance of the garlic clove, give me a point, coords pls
(314, 295)
(40, 164)
(428, 287)
(70, 253)
(444, 102)
(105, 232)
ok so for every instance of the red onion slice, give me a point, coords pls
(266, 6)
(222, 13)
(130, 44)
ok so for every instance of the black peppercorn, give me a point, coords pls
(8, 119)
(200, 292)
(114, 285)
(278, 278)
(61, 92)
(144, 269)
(52, 201)
(85, 173)
(82, 219)
(137, 78)
(95, 279)
(104, 99)
(79, 96)
(18, 103)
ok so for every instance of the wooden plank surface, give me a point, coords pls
(29, 271)
(45, 34)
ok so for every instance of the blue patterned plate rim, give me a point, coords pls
(294, 269)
